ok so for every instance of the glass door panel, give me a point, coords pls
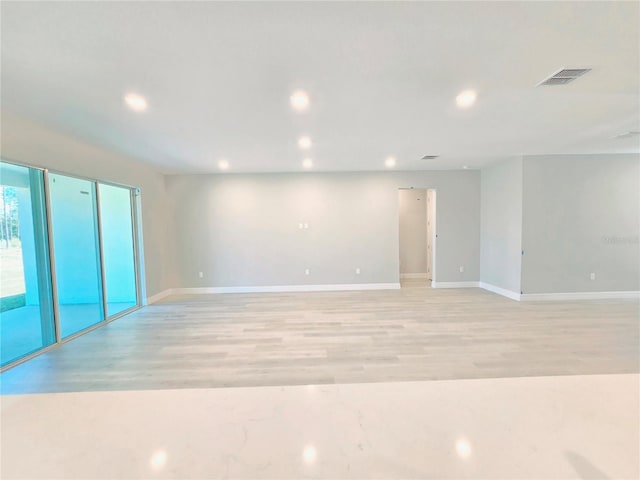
(26, 307)
(76, 252)
(118, 248)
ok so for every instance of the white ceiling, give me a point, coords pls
(382, 78)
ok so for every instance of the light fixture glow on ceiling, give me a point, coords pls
(158, 460)
(223, 164)
(304, 143)
(465, 167)
(463, 448)
(299, 100)
(307, 163)
(390, 162)
(309, 454)
(466, 98)
(135, 102)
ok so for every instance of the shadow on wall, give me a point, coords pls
(584, 468)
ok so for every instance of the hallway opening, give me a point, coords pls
(417, 232)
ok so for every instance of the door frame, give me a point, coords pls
(137, 247)
(434, 233)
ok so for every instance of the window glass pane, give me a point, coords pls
(76, 249)
(117, 245)
(26, 311)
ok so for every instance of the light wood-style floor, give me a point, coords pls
(415, 333)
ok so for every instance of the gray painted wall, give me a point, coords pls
(413, 231)
(581, 215)
(29, 143)
(242, 230)
(501, 224)
(578, 214)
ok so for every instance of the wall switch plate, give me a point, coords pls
(201, 274)
(300, 226)
(306, 225)
(461, 269)
(306, 271)
(592, 276)
(357, 271)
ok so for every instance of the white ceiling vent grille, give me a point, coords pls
(430, 157)
(564, 76)
(629, 134)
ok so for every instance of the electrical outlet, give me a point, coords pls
(357, 271)
(592, 276)
(201, 274)
(306, 271)
(461, 269)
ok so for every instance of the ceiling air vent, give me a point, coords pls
(564, 76)
(629, 134)
(430, 157)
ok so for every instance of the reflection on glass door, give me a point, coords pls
(118, 248)
(26, 309)
(76, 253)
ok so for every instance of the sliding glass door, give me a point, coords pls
(68, 258)
(118, 247)
(74, 220)
(26, 304)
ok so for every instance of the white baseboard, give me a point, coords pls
(289, 288)
(455, 284)
(501, 291)
(414, 275)
(537, 297)
(159, 296)
(527, 297)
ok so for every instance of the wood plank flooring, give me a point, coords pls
(338, 337)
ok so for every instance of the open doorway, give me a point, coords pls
(417, 229)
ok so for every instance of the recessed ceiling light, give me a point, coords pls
(299, 100)
(135, 102)
(463, 448)
(466, 99)
(309, 454)
(307, 163)
(158, 460)
(223, 165)
(304, 143)
(390, 162)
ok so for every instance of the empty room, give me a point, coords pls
(333, 240)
